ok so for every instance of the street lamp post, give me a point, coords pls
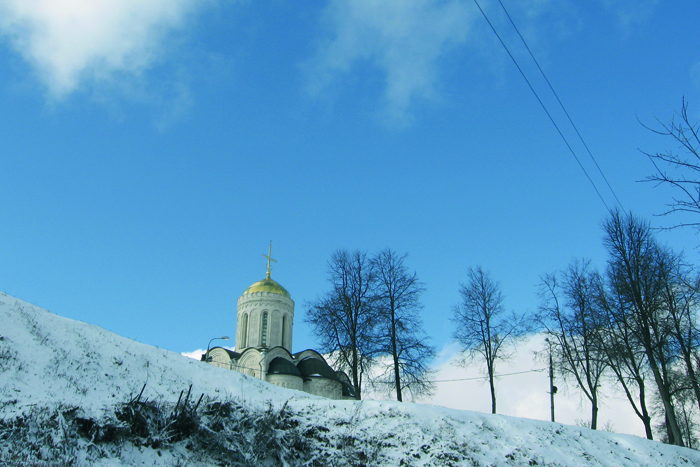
(206, 355)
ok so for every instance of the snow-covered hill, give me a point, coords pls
(75, 394)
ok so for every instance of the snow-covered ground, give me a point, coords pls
(74, 394)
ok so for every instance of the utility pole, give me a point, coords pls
(552, 387)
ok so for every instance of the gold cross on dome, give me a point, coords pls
(269, 259)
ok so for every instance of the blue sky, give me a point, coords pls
(151, 150)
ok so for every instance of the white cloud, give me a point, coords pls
(196, 354)
(526, 395)
(403, 40)
(68, 42)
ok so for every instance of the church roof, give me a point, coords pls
(281, 366)
(315, 367)
(267, 285)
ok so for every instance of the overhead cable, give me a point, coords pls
(561, 104)
(551, 119)
(536, 370)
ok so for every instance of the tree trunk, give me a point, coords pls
(594, 412)
(493, 391)
(355, 373)
(395, 355)
(646, 418)
(674, 431)
(397, 378)
(691, 376)
(647, 427)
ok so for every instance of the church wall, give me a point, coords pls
(254, 305)
(242, 331)
(249, 364)
(277, 352)
(275, 329)
(287, 381)
(289, 324)
(308, 353)
(219, 358)
(324, 387)
(254, 327)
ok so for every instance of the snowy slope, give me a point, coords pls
(69, 395)
(48, 359)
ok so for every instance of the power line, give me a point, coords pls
(537, 370)
(561, 104)
(551, 119)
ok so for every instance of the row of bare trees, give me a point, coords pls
(636, 323)
(369, 322)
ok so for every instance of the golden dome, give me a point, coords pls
(267, 285)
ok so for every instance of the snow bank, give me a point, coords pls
(46, 359)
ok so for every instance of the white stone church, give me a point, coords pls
(264, 345)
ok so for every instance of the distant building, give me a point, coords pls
(264, 345)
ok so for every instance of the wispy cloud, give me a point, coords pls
(631, 14)
(567, 16)
(404, 41)
(70, 42)
(695, 74)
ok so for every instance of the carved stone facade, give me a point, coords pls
(265, 319)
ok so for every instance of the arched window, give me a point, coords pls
(263, 338)
(244, 331)
(284, 331)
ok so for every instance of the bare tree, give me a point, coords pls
(400, 330)
(681, 295)
(482, 327)
(686, 410)
(572, 318)
(344, 319)
(626, 359)
(680, 170)
(635, 276)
